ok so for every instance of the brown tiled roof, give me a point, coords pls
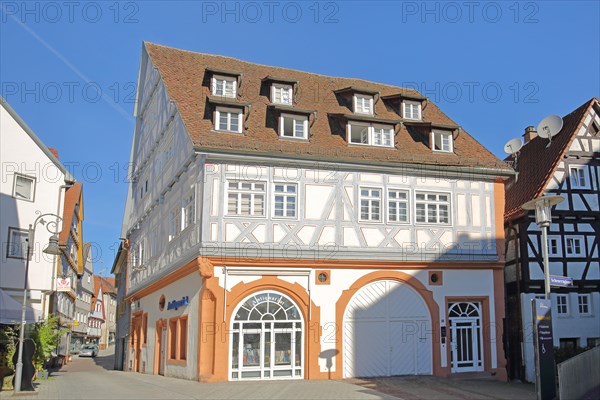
(107, 284)
(187, 82)
(72, 196)
(536, 163)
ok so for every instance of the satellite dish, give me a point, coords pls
(513, 146)
(550, 126)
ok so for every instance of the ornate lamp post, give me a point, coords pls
(54, 249)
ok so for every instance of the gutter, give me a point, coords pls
(392, 167)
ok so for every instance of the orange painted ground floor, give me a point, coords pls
(219, 320)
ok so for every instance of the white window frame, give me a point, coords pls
(370, 134)
(397, 201)
(409, 111)
(253, 192)
(229, 111)
(370, 199)
(224, 79)
(188, 208)
(286, 199)
(437, 203)
(32, 191)
(554, 241)
(571, 246)
(442, 134)
(24, 235)
(281, 88)
(295, 118)
(587, 304)
(576, 174)
(562, 307)
(174, 222)
(362, 100)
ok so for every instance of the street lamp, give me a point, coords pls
(53, 248)
(543, 207)
(541, 310)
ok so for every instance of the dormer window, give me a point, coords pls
(281, 94)
(224, 86)
(293, 126)
(228, 119)
(363, 104)
(411, 110)
(370, 134)
(442, 141)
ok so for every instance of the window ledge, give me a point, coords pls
(171, 361)
(294, 139)
(375, 146)
(231, 132)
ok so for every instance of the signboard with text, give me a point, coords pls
(563, 281)
(544, 349)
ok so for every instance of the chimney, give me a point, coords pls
(529, 134)
(53, 151)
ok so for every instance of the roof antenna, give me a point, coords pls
(513, 147)
(550, 127)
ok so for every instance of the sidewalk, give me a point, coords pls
(87, 378)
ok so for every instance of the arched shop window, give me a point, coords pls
(267, 338)
(267, 306)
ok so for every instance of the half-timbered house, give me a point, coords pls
(568, 166)
(288, 225)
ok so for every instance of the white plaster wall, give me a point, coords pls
(457, 283)
(19, 153)
(189, 286)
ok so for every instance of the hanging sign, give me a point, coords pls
(63, 284)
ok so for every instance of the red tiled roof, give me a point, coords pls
(536, 163)
(187, 83)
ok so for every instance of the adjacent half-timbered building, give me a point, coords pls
(570, 167)
(288, 225)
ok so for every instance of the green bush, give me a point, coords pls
(9, 338)
(46, 336)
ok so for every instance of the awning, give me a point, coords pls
(10, 311)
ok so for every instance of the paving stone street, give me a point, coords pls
(88, 378)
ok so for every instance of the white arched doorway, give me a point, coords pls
(387, 332)
(465, 336)
(267, 338)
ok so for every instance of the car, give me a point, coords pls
(89, 350)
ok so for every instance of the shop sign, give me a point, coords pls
(63, 284)
(175, 304)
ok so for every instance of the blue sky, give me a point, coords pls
(70, 68)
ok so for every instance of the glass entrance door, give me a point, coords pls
(268, 346)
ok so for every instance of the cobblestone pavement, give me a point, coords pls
(89, 379)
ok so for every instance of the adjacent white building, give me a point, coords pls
(33, 183)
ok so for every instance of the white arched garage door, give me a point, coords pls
(387, 332)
